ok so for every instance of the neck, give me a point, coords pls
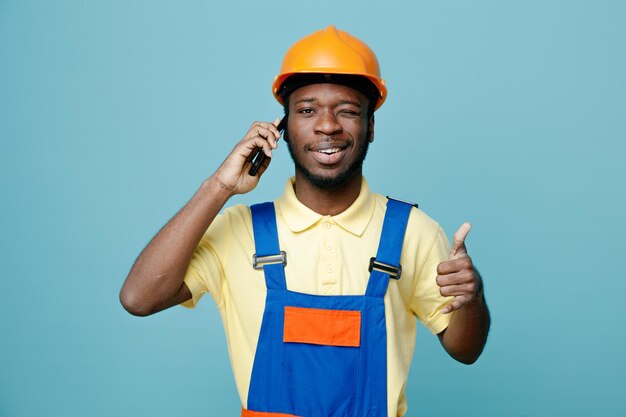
(327, 202)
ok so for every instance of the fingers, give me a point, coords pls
(456, 304)
(265, 130)
(457, 278)
(269, 126)
(462, 286)
(260, 135)
(455, 265)
(248, 147)
(458, 244)
(457, 290)
(233, 173)
(267, 149)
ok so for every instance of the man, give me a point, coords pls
(318, 291)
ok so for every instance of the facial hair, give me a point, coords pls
(338, 181)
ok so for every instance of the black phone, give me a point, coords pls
(260, 156)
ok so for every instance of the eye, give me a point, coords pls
(350, 112)
(305, 110)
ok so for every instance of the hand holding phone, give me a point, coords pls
(260, 156)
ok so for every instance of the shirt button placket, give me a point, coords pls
(330, 258)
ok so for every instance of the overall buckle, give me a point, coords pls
(393, 271)
(259, 261)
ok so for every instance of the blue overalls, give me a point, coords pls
(321, 356)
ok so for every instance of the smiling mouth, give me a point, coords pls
(329, 147)
(329, 151)
(329, 154)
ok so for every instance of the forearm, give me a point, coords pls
(466, 335)
(156, 278)
(155, 282)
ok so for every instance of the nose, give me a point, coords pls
(327, 124)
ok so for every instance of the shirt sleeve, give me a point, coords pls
(427, 302)
(205, 272)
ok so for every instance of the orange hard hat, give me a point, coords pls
(331, 51)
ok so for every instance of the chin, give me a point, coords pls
(331, 181)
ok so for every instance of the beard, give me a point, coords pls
(339, 180)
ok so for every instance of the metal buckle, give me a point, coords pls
(393, 271)
(259, 261)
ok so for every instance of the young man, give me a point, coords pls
(319, 291)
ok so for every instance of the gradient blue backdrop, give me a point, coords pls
(511, 115)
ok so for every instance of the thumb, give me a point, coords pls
(458, 244)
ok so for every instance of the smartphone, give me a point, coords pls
(260, 156)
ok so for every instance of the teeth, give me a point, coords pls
(329, 151)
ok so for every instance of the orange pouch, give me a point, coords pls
(322, 327)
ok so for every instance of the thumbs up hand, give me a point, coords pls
(457, 276)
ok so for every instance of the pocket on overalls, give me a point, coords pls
(322, 327)
(322, 349)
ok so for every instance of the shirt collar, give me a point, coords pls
(299, 217)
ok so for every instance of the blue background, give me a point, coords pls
(511, 115)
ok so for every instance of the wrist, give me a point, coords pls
(214, 188)
(477, 303)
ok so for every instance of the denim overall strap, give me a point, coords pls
(390, 245)
(266, 243)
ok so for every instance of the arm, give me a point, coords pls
(466, 335)
(155, 281)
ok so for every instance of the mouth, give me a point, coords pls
(329, 153)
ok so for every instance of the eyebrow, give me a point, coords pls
(313, 99)
(354, 103)
(306, 100)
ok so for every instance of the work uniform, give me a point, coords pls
(326, 255)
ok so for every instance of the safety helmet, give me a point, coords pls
(331, 51)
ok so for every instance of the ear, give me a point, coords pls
(370, 126)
